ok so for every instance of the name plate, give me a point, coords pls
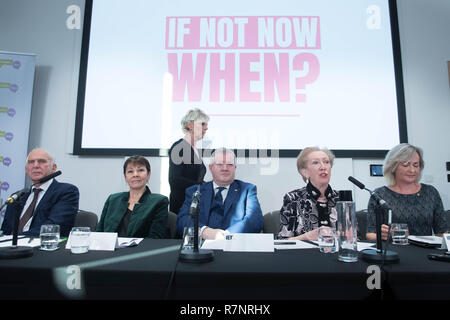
(249, 242)
(101, 241)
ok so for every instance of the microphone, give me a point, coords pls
(195, 201)
(356, 182)
(360, 185)
(48, 177)
(14, 197)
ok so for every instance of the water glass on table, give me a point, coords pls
(328, 242)
(399, 233)
(188, 243)
(49, 236)
(79, 239)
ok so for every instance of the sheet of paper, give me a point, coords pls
(25, 242)
(293, 244)
(250, 242)
(102, 241)
(365, 245)
(123, 242)
(426, 239)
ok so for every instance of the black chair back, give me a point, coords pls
(86, 219)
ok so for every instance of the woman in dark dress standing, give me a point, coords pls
(186, 166)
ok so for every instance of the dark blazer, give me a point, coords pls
(59, 205)
(148, 219)
(185, 170)
(242, 212)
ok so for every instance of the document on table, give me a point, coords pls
(427, 239)
(123, 242)
(293, 244)
(365, 245)
(22, 241)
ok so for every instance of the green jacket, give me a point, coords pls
(148, 219)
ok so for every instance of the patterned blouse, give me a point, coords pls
(422, 211)
(301, 212)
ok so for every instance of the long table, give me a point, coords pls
(152, 271)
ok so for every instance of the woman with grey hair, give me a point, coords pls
(305, 210)
(417, 204)
(186, 166)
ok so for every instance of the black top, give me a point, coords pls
(185, 170)
(123, 227)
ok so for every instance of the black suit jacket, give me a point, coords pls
(59, 205)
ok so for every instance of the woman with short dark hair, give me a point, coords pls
(138, 212)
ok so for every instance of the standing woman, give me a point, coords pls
(305, 210)
(138, 212)
(186, 167)
(417, 204)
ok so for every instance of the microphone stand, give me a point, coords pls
(14, 251)
(371, 255)
(378, 256)
(195, 255)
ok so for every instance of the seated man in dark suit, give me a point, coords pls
(226, 205)
(55, 203)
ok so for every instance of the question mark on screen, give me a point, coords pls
(312, 74)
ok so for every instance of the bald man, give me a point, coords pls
(53, 202)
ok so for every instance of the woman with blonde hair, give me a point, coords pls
(417, 204)
(186, 166)
(305, 210)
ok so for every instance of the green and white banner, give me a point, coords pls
(16, 92)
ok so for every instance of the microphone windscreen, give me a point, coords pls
(356, 182)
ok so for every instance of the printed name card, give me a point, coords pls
(101, 241)
(249, 242)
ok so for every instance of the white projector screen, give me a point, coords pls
(272, 75)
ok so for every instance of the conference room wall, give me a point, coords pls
(40, 27)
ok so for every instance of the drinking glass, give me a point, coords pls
(189, 239)
(399, 233)
(79, 239)
(328, 242)
(49, 236)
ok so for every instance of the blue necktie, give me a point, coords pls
(217, 210)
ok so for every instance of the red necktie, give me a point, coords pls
(29, 213)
